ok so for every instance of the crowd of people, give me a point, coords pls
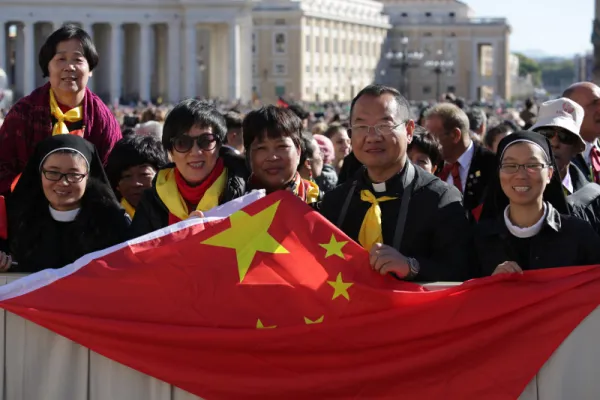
(455, 193)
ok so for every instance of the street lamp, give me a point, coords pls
(404, 60)
(439, 66)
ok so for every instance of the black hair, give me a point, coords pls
(299, 111)
(132, 151)
(477, 118)
(190, 113)
(492, 133)
(233, 120)
(403, 107)
(63, 34)
(529, 102)
(460, 103)
(307, 148)
(272, 122)
(426, 143)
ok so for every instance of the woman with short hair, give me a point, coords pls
(273, 143)
(64, 105)
(204, 172)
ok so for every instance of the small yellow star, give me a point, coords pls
(334, 248)
(317, 321)
(248, 235)
(259, 325)
(341, 287)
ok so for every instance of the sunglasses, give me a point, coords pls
(184, 143)
(564, 136)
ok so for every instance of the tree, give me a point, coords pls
(528, 66)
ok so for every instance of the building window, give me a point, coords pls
(427, 34)
(280, 42)
(326, 45)
(428, 14)
(280, 22)
(308, 69)
(451, 89)
(307, 91)
(452, 34)
(317, 44)
(253, 69)
(343, 46)
(335, 45)
(279, 91)
(336, 70)
(426, 89)
(279, 68)
(254, 43)
(452, 15)
(308, 42)
(404, 15)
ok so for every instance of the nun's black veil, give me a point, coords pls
(495, 201)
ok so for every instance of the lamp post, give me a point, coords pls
(439, 66)
(404, 60)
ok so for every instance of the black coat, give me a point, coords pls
(483, 168)
(152, 214)
(585, 201)
(582, 166)
(437, 227)
(563, 241)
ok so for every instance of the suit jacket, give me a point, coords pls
(482, 169)
(582, 166)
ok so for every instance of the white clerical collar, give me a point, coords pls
(63, 216)
(527, 232)
(379, 187)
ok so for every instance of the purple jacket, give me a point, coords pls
(29, 121)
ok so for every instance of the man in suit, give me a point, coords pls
(587, 95)
(468, 165)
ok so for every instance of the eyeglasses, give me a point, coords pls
(56, 176)
(533, 168)
(184, 143)
(382, 129)
(564, 136)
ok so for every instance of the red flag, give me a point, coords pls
(282, 103)
(275, 302)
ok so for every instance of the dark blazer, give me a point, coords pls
(585, 201)
(482, 169)
(564, 241)
(582, 166)
(152, 214)
(436, 231)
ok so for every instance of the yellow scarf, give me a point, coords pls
(73, 115)
(370, 230)
(312, 193)
(129, 209)
(166, 187)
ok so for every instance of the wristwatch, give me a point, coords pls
(413, 268)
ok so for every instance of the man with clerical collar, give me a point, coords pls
(587, 95)
(469, 165)
(412, 223)
(560, 122)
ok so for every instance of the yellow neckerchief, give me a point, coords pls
(312, 192)
(370, 230)
(129, 209)
(73, 115)
(166, 187)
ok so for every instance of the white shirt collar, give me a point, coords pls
(527, 232)
(588, 150)
(63, 216)
(465, 159)
(568, 183)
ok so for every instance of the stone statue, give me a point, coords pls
(6, 95)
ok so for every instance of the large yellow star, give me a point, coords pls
(341, 287)
(334, 248)
(247, 235)
(316, 321)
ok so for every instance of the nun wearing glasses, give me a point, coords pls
(62, 208)
(203, 175)
(525, 222)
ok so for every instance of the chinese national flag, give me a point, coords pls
(282, 103)
(275, 303)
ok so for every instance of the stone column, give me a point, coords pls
(189, 57)
(89, 28)
(246, 57)
(116, 62)
(144, 48)
(174, 62)
(475, 71)
(28, 58)
(234, 60)
(3, 36)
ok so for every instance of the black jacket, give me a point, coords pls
(482, 169)
(152, 214)
(582, 166)
(563, 241)
(437, 227)
(585, 201)
(328, 179)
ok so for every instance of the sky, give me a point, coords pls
(553, 27)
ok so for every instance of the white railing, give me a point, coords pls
(38, 364)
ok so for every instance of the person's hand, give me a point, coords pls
(385, 259)
(5, 262)
(196, 214)
(508, 267)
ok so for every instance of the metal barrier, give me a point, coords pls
(41, 365)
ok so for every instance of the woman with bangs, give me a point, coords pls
(272, 139)
(203, 175)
